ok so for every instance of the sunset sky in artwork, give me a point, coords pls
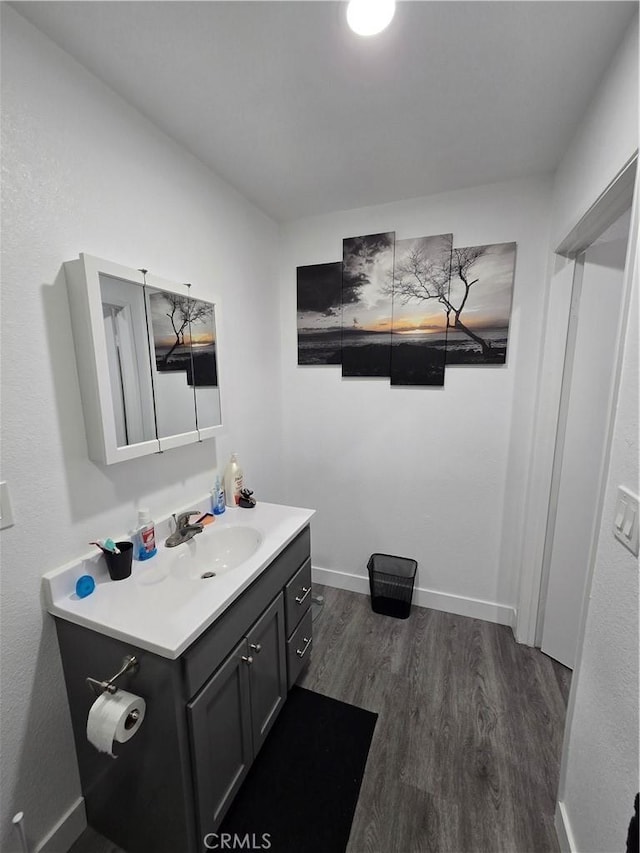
(427, 316)
(368, 261)
(488, 304)
(201, 333)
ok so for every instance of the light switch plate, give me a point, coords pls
(625, 519)
(6, 514)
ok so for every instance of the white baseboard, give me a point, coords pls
(340, 580)
(66, 831)
(476, 608)
(563, 829)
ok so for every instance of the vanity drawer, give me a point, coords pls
(297, 596)
(299, 648)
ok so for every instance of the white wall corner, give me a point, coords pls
(66, 831)
(563, 829)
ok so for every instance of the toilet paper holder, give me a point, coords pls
(129, 664)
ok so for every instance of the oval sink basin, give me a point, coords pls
(227, 547)
(215, 552)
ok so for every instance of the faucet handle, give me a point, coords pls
(183, 517)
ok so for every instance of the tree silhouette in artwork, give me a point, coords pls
(420, 276)
(182, 312)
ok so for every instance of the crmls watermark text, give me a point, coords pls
(233, 841)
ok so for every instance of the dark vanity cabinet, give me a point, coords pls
(231, 716)
(208, 712)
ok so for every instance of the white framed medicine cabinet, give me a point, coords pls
(148, 360)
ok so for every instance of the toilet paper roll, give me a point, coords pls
(113, 717)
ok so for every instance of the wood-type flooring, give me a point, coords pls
(466, 752)
(465, 755)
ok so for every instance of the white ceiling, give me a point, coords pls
(303, 117)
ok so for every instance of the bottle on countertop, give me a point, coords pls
(233, 481)
(145, 538)
(217, 497)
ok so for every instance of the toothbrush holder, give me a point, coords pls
(119, 565)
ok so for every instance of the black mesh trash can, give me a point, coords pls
(391, 584)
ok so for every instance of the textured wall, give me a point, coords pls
(85, 172)
(432, 473)
(599, 774)
(605, 140)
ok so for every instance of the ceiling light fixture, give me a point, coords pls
(369, 17)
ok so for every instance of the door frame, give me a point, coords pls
(558, 454)
(621, 194)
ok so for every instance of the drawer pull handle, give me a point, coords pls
(256, 647)
(247, 660)
(301, 652)
(306, 591)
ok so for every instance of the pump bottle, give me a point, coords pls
(233, 480)
(145, 537)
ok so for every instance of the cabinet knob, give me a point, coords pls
(248, 660)
(257, 648)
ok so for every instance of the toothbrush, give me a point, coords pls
(106, 545)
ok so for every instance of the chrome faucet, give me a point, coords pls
(184, 530)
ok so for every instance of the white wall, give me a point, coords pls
(599, 773)
(85, 172)
(431, 473)
(604, 142)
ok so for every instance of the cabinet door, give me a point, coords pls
(268, 672)
(220, 726)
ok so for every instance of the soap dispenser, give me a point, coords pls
(145, 537)
(233, 481)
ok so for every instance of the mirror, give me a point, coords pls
(125, 332)
(184, 365)
(153, 351)
(205, 367)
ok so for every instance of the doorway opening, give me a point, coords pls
(588, 383)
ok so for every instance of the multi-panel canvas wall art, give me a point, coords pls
(367, 288)
(320, 313)
(480, 294)
(420, 299)
(404, 309)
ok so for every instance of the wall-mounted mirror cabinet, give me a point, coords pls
(147, 354)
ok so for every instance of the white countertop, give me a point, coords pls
(164, 605)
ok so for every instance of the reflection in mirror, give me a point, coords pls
(170, 317)
(204, 374)
(125, 328)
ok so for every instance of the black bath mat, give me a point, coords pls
(303, 787)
